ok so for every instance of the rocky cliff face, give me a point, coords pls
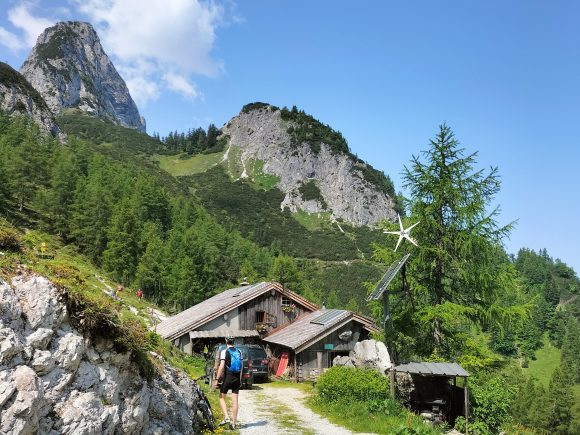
(69, 68)
(262, 134)
(53, 380)
(18, 96)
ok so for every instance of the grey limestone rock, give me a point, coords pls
(10, 344)
(9, 307)
(81, 413)
(367, 354)
(70, 69)
(18, 96)
(40, 338)
(39, 303)
(21, 416)
(7, 387)
(43, 362)
(68, 351)
(261, 134)
(71, 385)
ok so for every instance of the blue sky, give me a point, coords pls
(504, 75)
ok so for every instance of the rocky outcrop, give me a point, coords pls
(53, 380)
(70, 69)
(18, 96)
(262, 134)
(367, 354)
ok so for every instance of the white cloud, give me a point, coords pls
(173, 38)
(10, 40)
(141, 80)
(143, 89)
(180, 84)
(32, 26)
(29, 26)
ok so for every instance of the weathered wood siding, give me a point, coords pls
(308, 358)
(272, 306)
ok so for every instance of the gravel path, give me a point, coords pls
(270, 410)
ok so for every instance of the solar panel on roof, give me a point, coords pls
(327, 317)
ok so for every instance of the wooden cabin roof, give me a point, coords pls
(222, 303)
(314, 326)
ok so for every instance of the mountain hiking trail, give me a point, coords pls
(275, 410)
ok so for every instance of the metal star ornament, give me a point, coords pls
(403, 233)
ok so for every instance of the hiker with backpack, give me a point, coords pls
(230, 364)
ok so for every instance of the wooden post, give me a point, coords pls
(466, 403)
(393, 377)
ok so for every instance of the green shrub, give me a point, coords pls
(348, 383)
(491, 404)
(256, 106)
(152, 340)
(307, 129)
(9, 237)
(376, 178)
(384, 407)
(310, 191)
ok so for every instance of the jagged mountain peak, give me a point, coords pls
(312, 162)
(70, 69)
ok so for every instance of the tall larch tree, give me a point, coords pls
(459, 268)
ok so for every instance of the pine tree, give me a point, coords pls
(538, 413)
(122, 252)
(150, 201)
(28, 161)
(247, 273)
(459, 267)
(57, 200)
(151, 270)
(571, 350)
(92, 208)
(285, 271)
(561, 399)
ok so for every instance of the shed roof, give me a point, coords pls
(311, 327)
(432, 368)
(219, 304)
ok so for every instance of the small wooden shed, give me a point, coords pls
(314, 339)
(435, 386)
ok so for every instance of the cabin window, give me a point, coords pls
(260, 316)
(286, 302)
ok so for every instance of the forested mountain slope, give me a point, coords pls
(254, 212)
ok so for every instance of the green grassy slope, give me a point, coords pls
(198, 163)
(547, 360)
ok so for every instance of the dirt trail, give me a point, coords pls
(271, 410)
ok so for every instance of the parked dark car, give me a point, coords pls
(260, 362)
(212, 364)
